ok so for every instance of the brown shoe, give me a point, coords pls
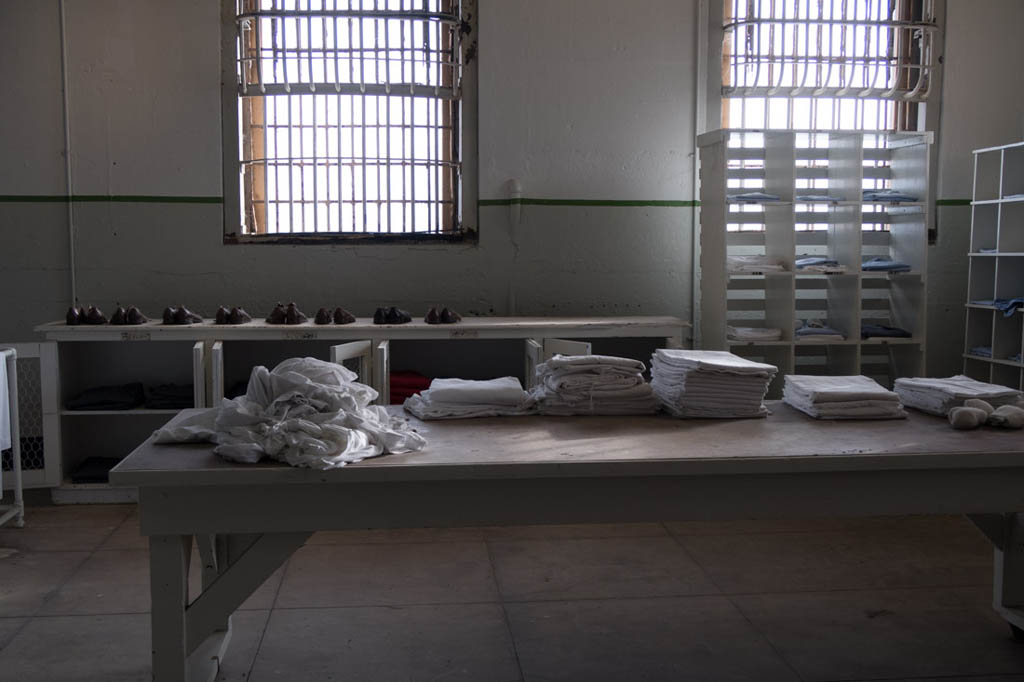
(342, 316)
(396, 315)
(169, 315)
(183, 315)
(135, 316)
(222, 316)
(322, 316)
(292, 315)
(449, 316)
(94, 316)
(276, 315)
(239, 316)
(73, 316)
(120, 316)
(432, 317)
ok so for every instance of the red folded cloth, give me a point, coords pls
(409, 379)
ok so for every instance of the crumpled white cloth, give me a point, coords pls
(468, 398)
(939, 396)
(306, 412)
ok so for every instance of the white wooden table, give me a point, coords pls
(248, 519)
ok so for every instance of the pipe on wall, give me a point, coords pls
(67, 152)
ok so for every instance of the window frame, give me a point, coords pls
(467, 215)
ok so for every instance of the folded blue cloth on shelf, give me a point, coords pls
(816, 197)
(814, 260)
(981, 351)
(887, 195)
(815, 328)
(1007, 305)
(880, 330)
(1016, 358)
(883, 264)
(989, 250)
(754, 197)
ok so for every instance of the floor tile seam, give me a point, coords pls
(516, 602)
(704, 571)
(26, 621)
(868, 588)
(762, 635)
(504, 611)
(952, 678)
(52, 594)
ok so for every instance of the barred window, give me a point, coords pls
(348, 117)
(826, 64)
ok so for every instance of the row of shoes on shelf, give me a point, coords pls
(281, 314)
(93, 315)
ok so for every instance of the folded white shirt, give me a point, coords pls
(422, 405)
(740, 264)
(754, 333)
(502, 391)
(824, 389)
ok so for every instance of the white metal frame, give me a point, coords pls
(15, 511)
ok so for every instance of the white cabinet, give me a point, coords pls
(844, 228)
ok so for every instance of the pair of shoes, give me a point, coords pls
(235, 316)
(132, 316)
(286, 315)
(340, 316)
(93, 315)
(391, 315)
(180, 315)
(446, 316)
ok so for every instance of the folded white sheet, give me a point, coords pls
(501, 391)
(711, 361)
(940, 395)
(422, 406)
(593, 385)
(826, 389)
(754, 333)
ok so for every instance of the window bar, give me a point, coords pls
(435, 139)
(412, 135)
(362, 121)
(376, 112)
(407, 103)
(337, 106)
(351, 120)
(387, 102)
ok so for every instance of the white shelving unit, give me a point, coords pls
(840, 165)
(215, 356)
(996, 266)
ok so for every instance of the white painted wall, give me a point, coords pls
(982, 106)
(570, 102)
(586, 99)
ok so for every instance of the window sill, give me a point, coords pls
(470, 237)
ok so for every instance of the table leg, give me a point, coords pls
(168, 575)
(1006, 531)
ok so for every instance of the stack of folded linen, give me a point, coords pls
(716, 384)
(816, 331)
(939, 396)
(592, 385)
(753, 264)
(850, 397)
(820, 265)
(753, 334)
(887, 196)
(466, 398)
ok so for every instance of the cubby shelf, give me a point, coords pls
(847, 229)
(997, 223)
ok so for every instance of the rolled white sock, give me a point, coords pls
(980, 404)
(966, 417)
(1007, 416)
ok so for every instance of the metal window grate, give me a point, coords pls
(348, 113)
(30, 418)
(826, 64)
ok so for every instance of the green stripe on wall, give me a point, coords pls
(107, 198)
(589, 202)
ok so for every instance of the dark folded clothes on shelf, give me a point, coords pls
(1007, 305)
(881, 264)
(868, 331)
(170, 397)
(981, 351)
(125, 397)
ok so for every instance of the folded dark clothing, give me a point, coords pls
(874, 330)
(169, 397)
(125, 397)
(409, 379)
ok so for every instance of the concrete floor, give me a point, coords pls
(882, 598)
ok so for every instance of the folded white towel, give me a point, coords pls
(754, 333)
(589, 363)
(502, 391)
(824, 389)
(712, 361)
(592, 385)
(424, 407)
(939, 396)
